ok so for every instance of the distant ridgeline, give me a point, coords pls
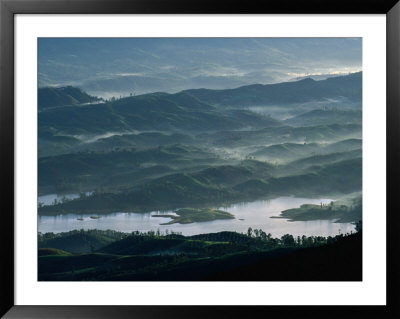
(348, 86)
(62, 96)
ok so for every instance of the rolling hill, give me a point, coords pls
(156, 111)
(88, 170)
(61, 96)
(286, 152)
(326, 117)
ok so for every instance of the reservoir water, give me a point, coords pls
(256, 215)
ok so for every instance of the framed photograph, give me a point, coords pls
(171, 159)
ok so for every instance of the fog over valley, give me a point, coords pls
(199, 158)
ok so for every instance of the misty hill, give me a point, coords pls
(51, 145)
(343, 177)
(89, 170)
(191, 109)
(156, 111)
(286, 152)
(348, 86)
(66, 129)
(325, 117)
(60, 96)
(205, 185)
(244, 182)
(283, 134)
(126, 150)
(340, 177)
(140, 141)
(345, 145)
(324, 159)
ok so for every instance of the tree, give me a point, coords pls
(287, 240)
(263, 235)
(256, 233)
(250, 232)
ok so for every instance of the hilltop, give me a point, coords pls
(61, 96)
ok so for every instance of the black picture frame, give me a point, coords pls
(8, 8)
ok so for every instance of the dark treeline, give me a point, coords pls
(82, 255)
(253, 239)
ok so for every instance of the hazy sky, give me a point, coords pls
(119, 66)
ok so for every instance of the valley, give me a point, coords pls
(159, 185)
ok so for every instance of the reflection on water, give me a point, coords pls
(252, 214)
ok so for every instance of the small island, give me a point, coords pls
(195, 215)
(342, 213)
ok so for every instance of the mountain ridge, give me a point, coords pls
(348, 86)
(49, 97)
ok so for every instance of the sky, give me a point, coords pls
(119, 66)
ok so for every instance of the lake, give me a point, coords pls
(250, 214)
